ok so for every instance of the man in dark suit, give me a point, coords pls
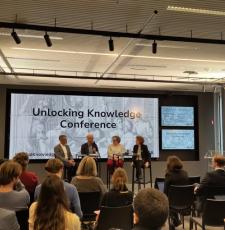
(63, 153)
(90, 147)
(141, 156)
(212, 179)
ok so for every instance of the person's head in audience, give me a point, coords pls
(116, 140)
(2, 161)
(55, 167)
(87, 167)
(174, 163)
(151, 208)
(90, 138)
(23, 159)
(10, 172)
(51, 205)
(119, 179)
(63, 139)
(218, 162)
(140, 140)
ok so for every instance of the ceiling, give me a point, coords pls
(73, 57)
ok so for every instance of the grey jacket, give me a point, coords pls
(60, 154)
(8, 220)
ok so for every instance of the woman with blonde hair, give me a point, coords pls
(119, 195)
(86, 179)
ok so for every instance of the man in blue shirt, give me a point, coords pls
(55, 166)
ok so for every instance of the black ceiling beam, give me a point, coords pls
(43, 75)
(22, 26)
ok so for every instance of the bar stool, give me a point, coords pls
(139, 182)
(111, 170)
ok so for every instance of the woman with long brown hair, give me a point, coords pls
(51, 211)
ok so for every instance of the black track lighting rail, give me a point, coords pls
(21, 26)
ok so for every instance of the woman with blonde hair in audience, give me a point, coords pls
(119, 195)
(51, 211)
(87, 179)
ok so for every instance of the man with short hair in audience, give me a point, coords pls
(63, 153)
(151, 209)
(8, 220)
(55, 166)
(216, 178)
(13, 195)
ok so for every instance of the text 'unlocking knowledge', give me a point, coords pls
(90, 113)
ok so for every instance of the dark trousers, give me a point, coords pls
(138, 164)
(69, 172)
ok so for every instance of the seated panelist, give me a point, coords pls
(63, 153)
(90, 147)
(141, 156)
(115, 153)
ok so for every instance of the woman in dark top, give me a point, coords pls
(141, 156)
(119, 195)
(175, 175)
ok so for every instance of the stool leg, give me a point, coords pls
(144, 175)
(150, 171)
(133, 179)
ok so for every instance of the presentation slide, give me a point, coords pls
(177, 116)
(173, 139)
(37, 120)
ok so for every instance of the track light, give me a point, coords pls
(47, 40)
(154, 47)
(111, 44)
(15, 37)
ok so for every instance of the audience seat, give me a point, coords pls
(90, 202)
(22, 218)
(213, 215)
(181, 200)
(115, 218)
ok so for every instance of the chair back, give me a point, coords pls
(90, 202)
(194, 180)
(159, 183)
(181, 197)
(115, 218)
(22, 218)
(212, 191)
(214, 213)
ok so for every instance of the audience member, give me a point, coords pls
(90, 147)
(119, 195)
(141, 156)
(86, 179)
(175, 175)
(8, 220)
(55, 166)
(216, 178)
(151, 210)
(29, 179)
(115, 154)
(13, 195)
(51, 211)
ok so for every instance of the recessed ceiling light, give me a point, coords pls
(195, 10)
(31, 36)
(64, 51)
(115, 55)
(168, 46)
